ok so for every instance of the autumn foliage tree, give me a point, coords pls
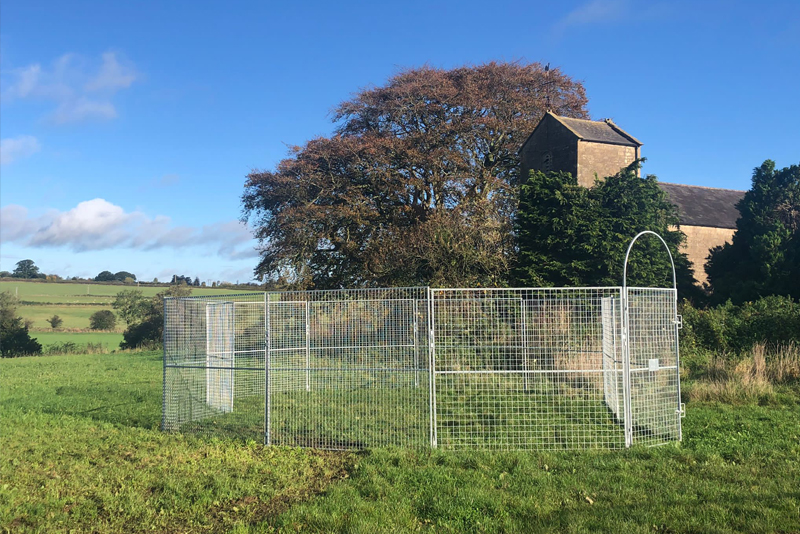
(418, 184)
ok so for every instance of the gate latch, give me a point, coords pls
(682, 410)
(679, 321)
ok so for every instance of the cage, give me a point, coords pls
(453, 368)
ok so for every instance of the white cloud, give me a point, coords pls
(100, 225)
(80, 88)
(14, 148)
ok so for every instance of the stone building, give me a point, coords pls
(597, 149)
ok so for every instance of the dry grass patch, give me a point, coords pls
(752, 378)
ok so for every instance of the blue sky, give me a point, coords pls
(127, 128)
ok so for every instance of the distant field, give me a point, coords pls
(110, 339)
(74, 304)
(73, 316)
(63, 293)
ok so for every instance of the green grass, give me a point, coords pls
(73, 316)
(110, 339)
(75, 303)
(82, 453)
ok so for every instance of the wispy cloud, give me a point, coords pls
(14, 148)
(594, 12)
(82, 109)
(100, 225)
(607, 12)
(112, 75)
(81, 88)
(167, 180)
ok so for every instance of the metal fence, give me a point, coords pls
(501, 369)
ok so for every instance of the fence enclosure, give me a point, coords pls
(552, 368)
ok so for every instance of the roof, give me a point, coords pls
(597, 131)
(704, 206)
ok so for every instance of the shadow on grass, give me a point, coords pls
(121, 389)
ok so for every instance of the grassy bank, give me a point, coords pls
(84, 454)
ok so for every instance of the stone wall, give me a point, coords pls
(551, 147)
(699, 241)
(601, 159)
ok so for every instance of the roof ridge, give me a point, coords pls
(567, 126)
(573, 125)
(576, 119)
(704, 187)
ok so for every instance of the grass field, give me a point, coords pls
(74, 304)
(110, 339)
(69, 293)
(83, 453)
(75, 316)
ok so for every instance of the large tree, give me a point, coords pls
(27, 269)
(569, 235)
(418, 185)
(763, 257)
(122, 276)
(104, 276)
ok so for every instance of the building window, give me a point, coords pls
(547, 161)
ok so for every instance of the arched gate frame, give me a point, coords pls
(651, 359)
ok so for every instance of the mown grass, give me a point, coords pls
(74, 317)
(83, 453)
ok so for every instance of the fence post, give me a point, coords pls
(525, 345)
(308, 346)
(432, 367)
(416, 342)
(626, 369)
(164, 342)
(678, 325)
(267, 342)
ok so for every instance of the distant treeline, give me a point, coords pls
(27, 270)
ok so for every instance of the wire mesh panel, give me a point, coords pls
(345, 368)
(214, 349)
(495, 369)
(219, 355)
(612, 356)
(521, 369)
(653, 346)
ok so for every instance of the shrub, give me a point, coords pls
(14, 337)
(55, 321)
(69, 347)
(146, 330)
(103, 320)
(735, 329)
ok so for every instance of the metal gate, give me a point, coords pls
(523, 369)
